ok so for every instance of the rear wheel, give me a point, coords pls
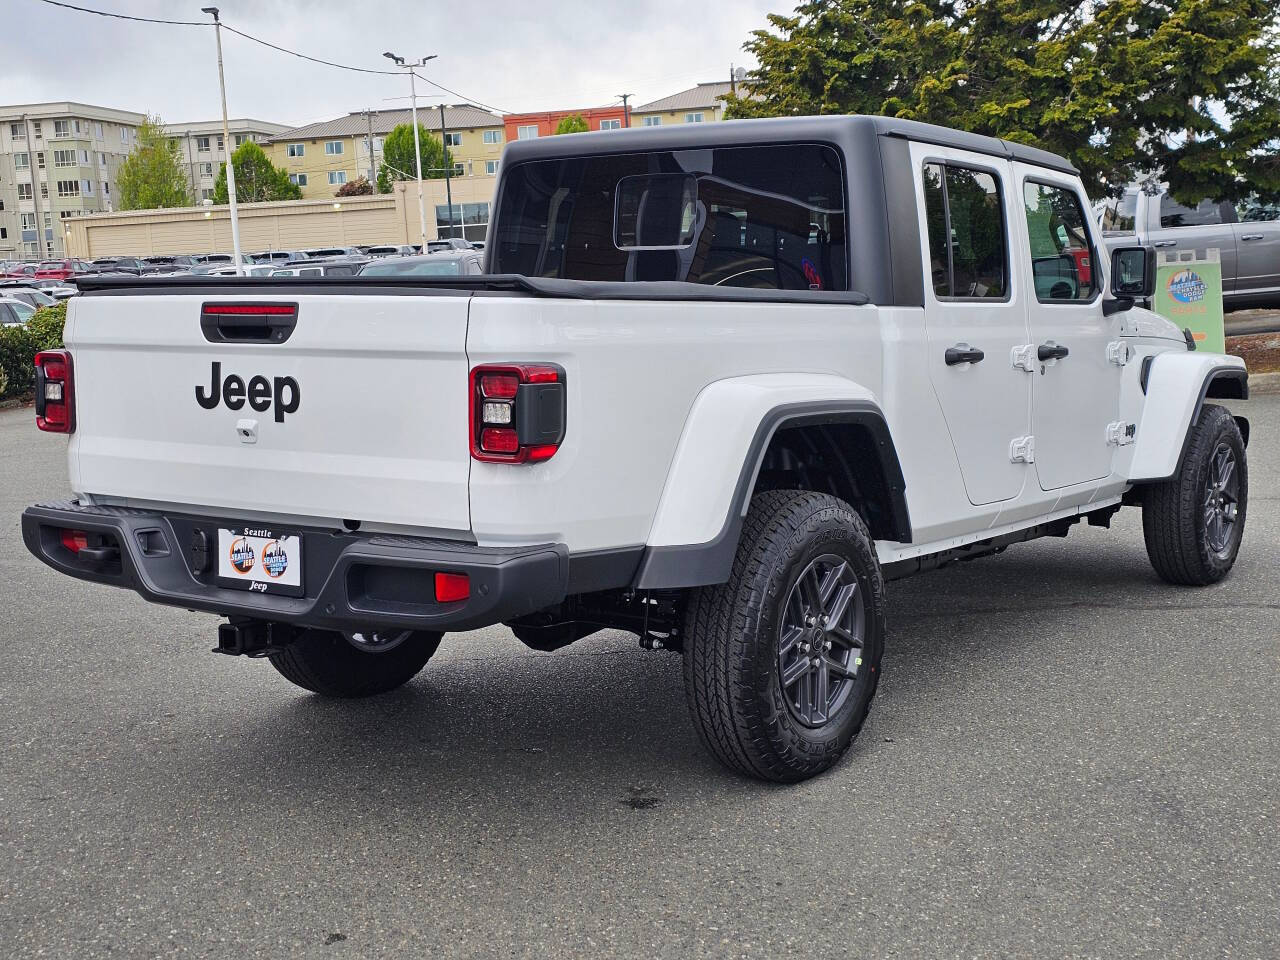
(330, 664)
(1193, 523)
(781, 662)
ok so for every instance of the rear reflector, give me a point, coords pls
(55, 392)
(499, 440)
(452, 587)
(74, 540)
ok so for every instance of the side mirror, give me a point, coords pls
(1133, 272)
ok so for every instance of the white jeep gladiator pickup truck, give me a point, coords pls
(718, 385)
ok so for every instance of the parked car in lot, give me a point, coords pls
(717, 390)
(325, 253)
(449, 243)
(22, 270)
(32, 295)
(457, 263)
(118, 264)
(336, 267)
(15, 311)
(62, 269)
(1246, 236)
(213, 258)
(392, 250)
(274, 256)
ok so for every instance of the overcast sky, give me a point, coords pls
(514, 55)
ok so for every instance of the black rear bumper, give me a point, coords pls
(351, 581)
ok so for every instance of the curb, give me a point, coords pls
(1264, 384)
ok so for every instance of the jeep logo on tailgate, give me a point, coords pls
(261, 394)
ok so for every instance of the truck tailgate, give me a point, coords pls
(361, 413)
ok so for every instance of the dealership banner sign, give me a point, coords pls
(1189, 292)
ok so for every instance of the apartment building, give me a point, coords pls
(57, 160)
(527, 126)
(203, 152)
(321, 157)
(701, 104)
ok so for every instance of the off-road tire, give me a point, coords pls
(325, 662)
(1174, 511)
(731, 639)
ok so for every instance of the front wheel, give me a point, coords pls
(781, 662)
(330, 664)
(1193, 522)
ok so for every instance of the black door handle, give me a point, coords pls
(1051, 351)
(962, 353)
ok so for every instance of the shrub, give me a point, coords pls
(20, 344)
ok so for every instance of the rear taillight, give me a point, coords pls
(517, 412)
(55, 392)
(452, 587)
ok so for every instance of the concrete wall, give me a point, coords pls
(286, 225)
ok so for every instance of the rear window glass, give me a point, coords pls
(766, 217)
(1120, 216)
(1205, 213)
(414, 268)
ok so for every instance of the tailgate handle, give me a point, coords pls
(248, 322)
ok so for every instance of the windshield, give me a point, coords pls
(416, 268)
(764, 217)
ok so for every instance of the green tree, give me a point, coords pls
(397, 156)
(573, 124)
(152, 175)
(1189, 89)
(257, 178)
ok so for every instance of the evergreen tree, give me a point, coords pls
(152, 175)
(257, 178)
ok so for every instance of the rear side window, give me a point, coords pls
(967, 249)
(1120, 216)
(763, 217)
(1205, 213)
(1062, 257)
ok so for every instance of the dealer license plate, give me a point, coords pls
(261, 560)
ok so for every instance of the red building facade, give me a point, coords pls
(522, 126)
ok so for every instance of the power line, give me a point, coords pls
(478, 103)
(121, 16)
(303, 56)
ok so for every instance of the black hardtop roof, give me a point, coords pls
(686, 136)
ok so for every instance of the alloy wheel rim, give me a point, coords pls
(820, 640)
(1221, 499)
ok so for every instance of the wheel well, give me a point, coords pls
(846, 460)
(1229, 385)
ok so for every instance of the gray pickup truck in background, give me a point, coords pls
(1247, 235)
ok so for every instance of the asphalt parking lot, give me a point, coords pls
(1066, 758)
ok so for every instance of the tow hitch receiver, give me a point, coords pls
(243, 637)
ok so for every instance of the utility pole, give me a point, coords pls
(373, 182)
(41, 250)
(626, 114)
(417, 145)
(191, 169)
(733, 82)
(226, 146)
(448, 171)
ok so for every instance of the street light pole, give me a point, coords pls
(417, 145)
(448, 172)
(226, 146)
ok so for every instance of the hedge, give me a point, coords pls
(19, 343)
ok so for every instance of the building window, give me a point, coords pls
(469, 220)
(493, 136)
(206, 169)
(48, 220)
(28, 221)
(219, 143)
(106, 189)
(491, 167)
(84, 158)
(97, 131)
(299, 178)
(124, 134)
(64, 158)
(62, 128)
(240, 138)
(206, 193)
(295, 150)
(40, 159)
(614, 124)
(453, 139)
(18, 131)
(24, 191)
(68, 188)
(4, 233)
(459, 169)
(693, 118)
(86, 187)
(44, 191)
(35, 128)
(202, 144)
(527, 133)
(337, 177)
(653, 121)
(22, 161)
(102, 159)
(333, 148)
